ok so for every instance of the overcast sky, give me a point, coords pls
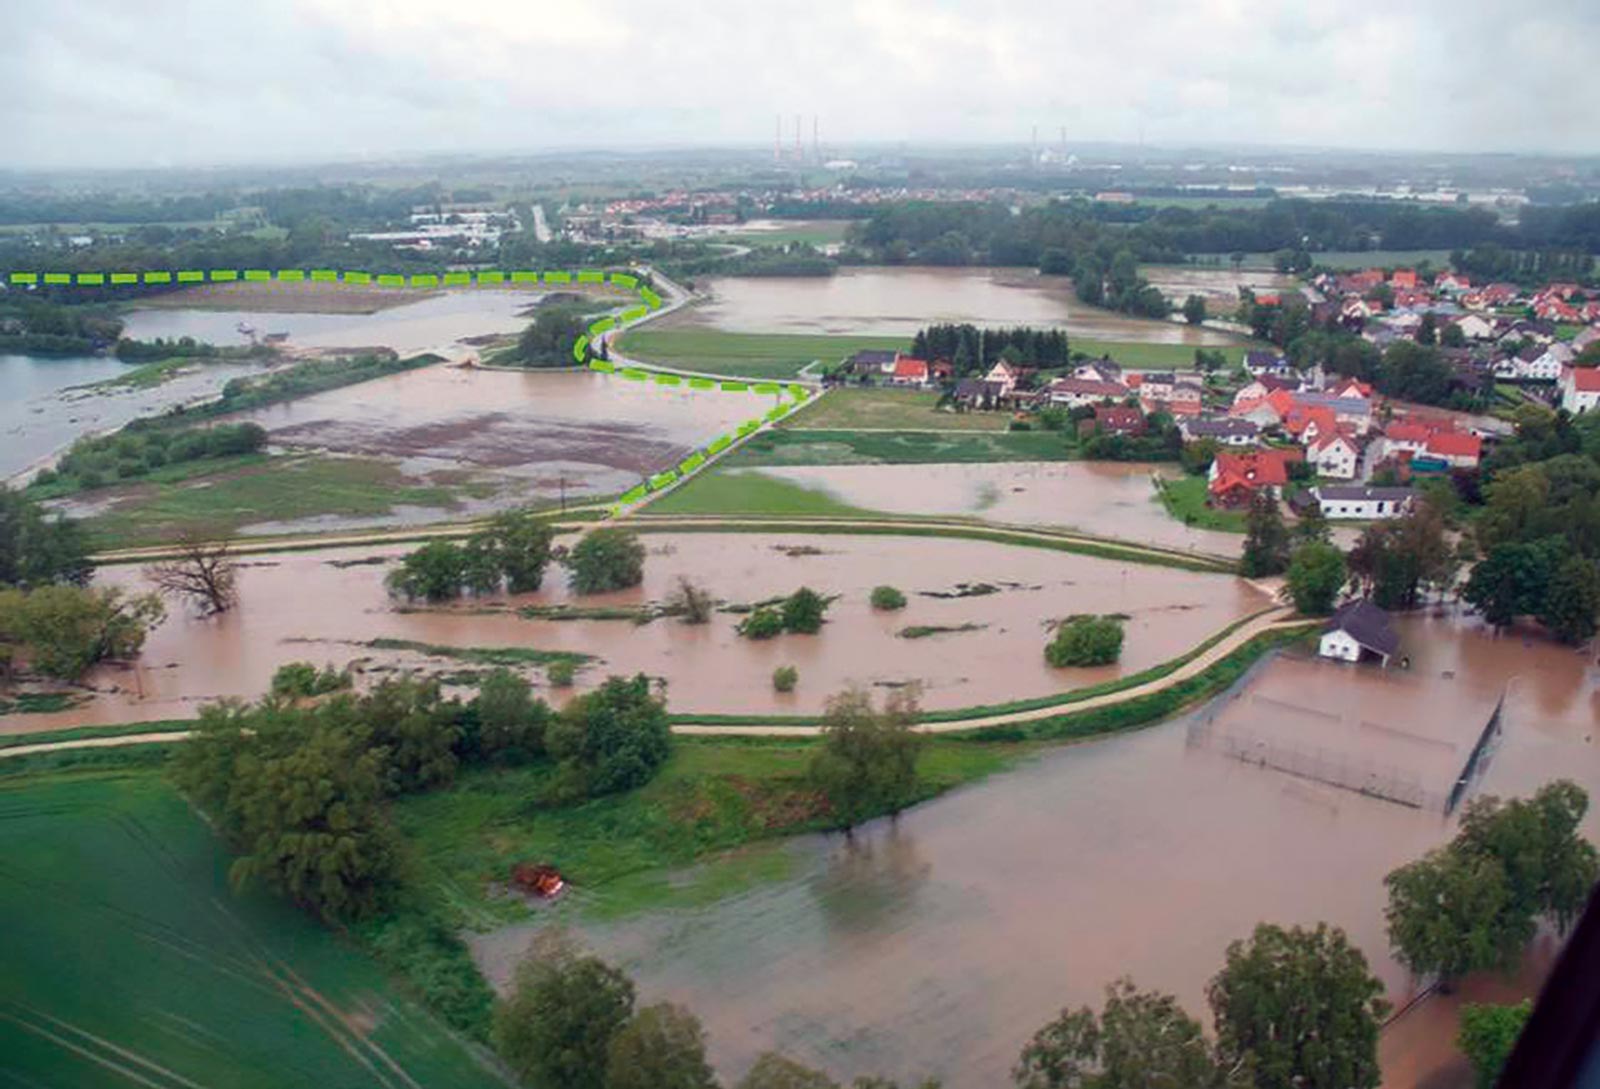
(170, 82)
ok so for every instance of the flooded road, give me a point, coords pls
(1110, 499)
(938, 945)
(898, 301)
(315, 606)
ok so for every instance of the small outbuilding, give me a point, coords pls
(1359, 629)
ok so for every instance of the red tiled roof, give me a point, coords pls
(1256, 469)
(906, 367)
(1586, 379)
(1455, 444)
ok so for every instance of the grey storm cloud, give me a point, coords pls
(190, 82)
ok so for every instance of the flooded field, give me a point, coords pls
(316, 606)
(432, 323)
(1219, 286)
(1111, 499)
(522, 436)
(896, 301)
(44, 408)
(937, 945)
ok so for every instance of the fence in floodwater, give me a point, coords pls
(1479, 757)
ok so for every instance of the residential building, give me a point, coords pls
(1104, 369)
(1005, 374)
(1356, 629)
(1580, 389)
(1227, 431)
(910, 372)
(1259, 362)
(1334, 455)
(1118, 420)
(1234, 479)
(1083, 391)
(873, 361)
(1354, 501)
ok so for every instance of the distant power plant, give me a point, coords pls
(797, 153)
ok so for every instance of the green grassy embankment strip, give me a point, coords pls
(717, 491)
(778, 447)
(1153, 707)
(752, 355)
(627, 852)
(888, 409)
(1142, 356)
(77, 733)
(114, 891)
(1185, 499)
(1104, 550)
(490, 656)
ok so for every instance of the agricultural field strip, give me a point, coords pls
(1272, 621)
(650, 303)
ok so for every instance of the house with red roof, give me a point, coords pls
(1334, 454)
(1580, 388)
(1403, 279)
(910, 372)
(1083, 391)
(1435, 438)
(1118, 420)
(1235, 479)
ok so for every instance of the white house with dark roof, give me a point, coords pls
(1357, 629)
(1354, 501)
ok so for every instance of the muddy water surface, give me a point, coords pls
(1220, 286)
(893, 301)
(1111, 499)
(598, 434)
(937, 946)
(299, 606)
(429, 324)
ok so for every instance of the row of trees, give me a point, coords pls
(511, 553)
(972, 351)
(97, 460)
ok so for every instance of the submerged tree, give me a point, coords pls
(609, 558)
(555, 1029)
(202, 573)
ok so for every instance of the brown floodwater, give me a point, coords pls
(300, 606)
(1110, 499)
(938, 944)
(895, 301)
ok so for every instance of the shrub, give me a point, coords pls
(614, 738)
(560, 674)
(784, 678)
(764, 623)
(887, 598)
(297, 680)
(802, 611)
(1085, 641)
(694, 604)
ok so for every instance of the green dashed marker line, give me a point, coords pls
(580, 348)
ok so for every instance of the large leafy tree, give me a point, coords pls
(1572, 600)
(613, 738)
(509, 723)
(309, 821)
(1141, 1039)
(660, 1047)
(867, 764)
(1302, 1007)
(555, 1029)
(1316, 575)
(610, 558)
(63, 630)
(1266, 541)
(1475, 903)
(1512, 580)
(36, 550)
(548, 341)
(774, 1071)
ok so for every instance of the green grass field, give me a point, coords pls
(719, 491)
(271, 489)
(752, 355)
(780, 447)
(813, 232)
(886, 409)
(1137, 355)
(130, 961)
(1185, 500)
(625, 852)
